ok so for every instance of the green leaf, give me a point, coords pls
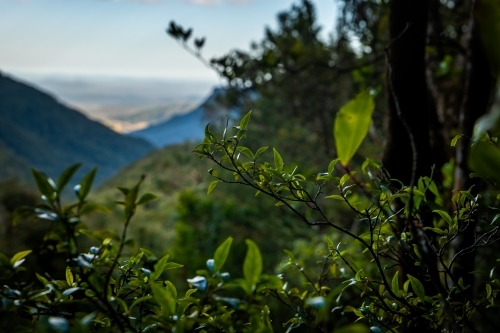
(172, 265)
(42, 280)
(417, 286)
(353, 328)
(221, 254)
(436, 230)
(69, 276)
(159, 268)
(346, 177)
(66, 176)
(212, 186)
(148, 254)
(260, 151)
(455, 140)
(278, 161)
(43, 184)
(130, 199)
(395, 283)
(252, 266)
(86, 184)
(165, 299)
(331, 166)
(139, 300)
(245, 120)
(417, 251)
(484, 159)
(351, 126)
(209, 136)
(145, 198)
(93, 207)
(445, 216)
(18, 256)
(246, 151)
(171, 288)
(335, 196)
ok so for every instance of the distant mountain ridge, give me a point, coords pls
(47, 135)
(178, 129)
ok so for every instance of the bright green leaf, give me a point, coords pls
(278, 161)
(221, 254)
(351, 126)
(455, 140)
(212, 186)
(245, 120)
(395, 283)
(18, 256)
(69, 276)
(252, 266)
(444, 215)
(335, 196)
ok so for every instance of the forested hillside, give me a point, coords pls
(49, 136)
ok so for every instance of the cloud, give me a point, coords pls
(213, 3)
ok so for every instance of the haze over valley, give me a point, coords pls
(124, 104)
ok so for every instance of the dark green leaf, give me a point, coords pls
(145, 198)
(66, 176)
(165, 299)
(43, 184)
(86, 184)
(159, 268)
(417, 286)
(149, 254)
(353, 328)
(92, 207)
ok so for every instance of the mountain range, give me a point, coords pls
(37, 130)
(181, 128)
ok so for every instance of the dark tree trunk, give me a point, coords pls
(479, 89)
(408, 95)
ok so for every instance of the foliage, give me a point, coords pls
(437, 299)
(112, 287)
(36, 130)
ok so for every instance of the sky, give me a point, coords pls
(107, 58)
(126, 38)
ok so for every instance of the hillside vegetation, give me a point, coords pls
(37, 129)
